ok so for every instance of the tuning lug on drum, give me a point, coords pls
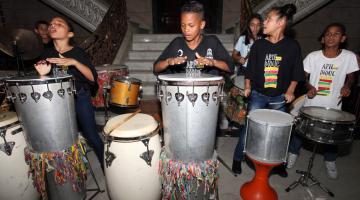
(206, 98)
(192, 97)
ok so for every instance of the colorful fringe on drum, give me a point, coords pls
(178, 177)
(69, 165)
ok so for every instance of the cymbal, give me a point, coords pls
(29, 45)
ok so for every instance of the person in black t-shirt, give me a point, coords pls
(206, 51)
(273, 70)
(64, 53)
(41, 29)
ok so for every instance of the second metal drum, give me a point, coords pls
(268, 135)
(45, 106)
(190, 108)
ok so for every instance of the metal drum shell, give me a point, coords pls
(190, 129)
(14, 180)
(48, 125)
(267, 141)
(325, 130)
(125, 91)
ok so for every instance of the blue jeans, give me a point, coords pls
(86, 121)
(330, 151)
(258, 101)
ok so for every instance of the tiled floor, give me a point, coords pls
(347, 187)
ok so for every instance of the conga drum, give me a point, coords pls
(236, 105)
(45, 106)
(266, 144)
(125, 91)
(190, 108)
(14, 180)
(132, 153)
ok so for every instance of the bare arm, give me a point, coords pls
(85, 70)
(163, 64)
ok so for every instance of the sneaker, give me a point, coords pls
(291, 160)
(280, 170)
(236, 167)
(331, 169)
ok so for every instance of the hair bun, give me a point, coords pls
(289, 10)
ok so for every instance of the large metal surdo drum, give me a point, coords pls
(190, 108)
(45, 106)
(15, 184)
(325, 125)
(268, 135)
(132, 153)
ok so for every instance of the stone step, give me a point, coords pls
(144, 55)
(140, 64)
(148, 88)
(224, 38)
(160, 46)
(143, 75)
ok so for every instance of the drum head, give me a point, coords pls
(239, 81)
(184, 77)
(110, 67)
(7, 118)
(327, 114)
(271, 117)
(139, 125)
(296, 105)
(36, 79)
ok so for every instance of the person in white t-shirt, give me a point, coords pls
(330, 76)
(242, 48)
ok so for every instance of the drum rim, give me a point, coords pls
(36, 81)
(123, 105)
(127, 80)
(110, 138)
(301, 113)
(192, 83)
(338, 142)
(274, 124)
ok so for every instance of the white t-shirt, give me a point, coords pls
(243, 48)
(328, 76)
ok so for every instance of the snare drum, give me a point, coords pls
(325, 125)
(190, 108)
(268, 135)
(125, 91)
(14, 180)
(105, 74)
(132, 157)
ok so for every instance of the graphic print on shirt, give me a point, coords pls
(209, 54)
(271, 70)
(180, 53)
(327, 74)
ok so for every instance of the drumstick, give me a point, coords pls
(108, 129)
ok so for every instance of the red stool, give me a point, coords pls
(259, 188)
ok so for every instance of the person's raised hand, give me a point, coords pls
(176, 61)
(42, 67)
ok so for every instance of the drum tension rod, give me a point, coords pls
(109, 156)
(6, 147)
(147, 156)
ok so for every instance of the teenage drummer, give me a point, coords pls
(330, 75)
(206, 52)
(273, 70)
(66, 55)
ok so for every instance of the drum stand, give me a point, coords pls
(97, 190)
(306, 175)
(226, 166)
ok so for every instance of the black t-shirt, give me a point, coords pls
(210, 47)
(271, 67)
(79, 54)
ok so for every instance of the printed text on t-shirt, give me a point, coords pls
(271, 70)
